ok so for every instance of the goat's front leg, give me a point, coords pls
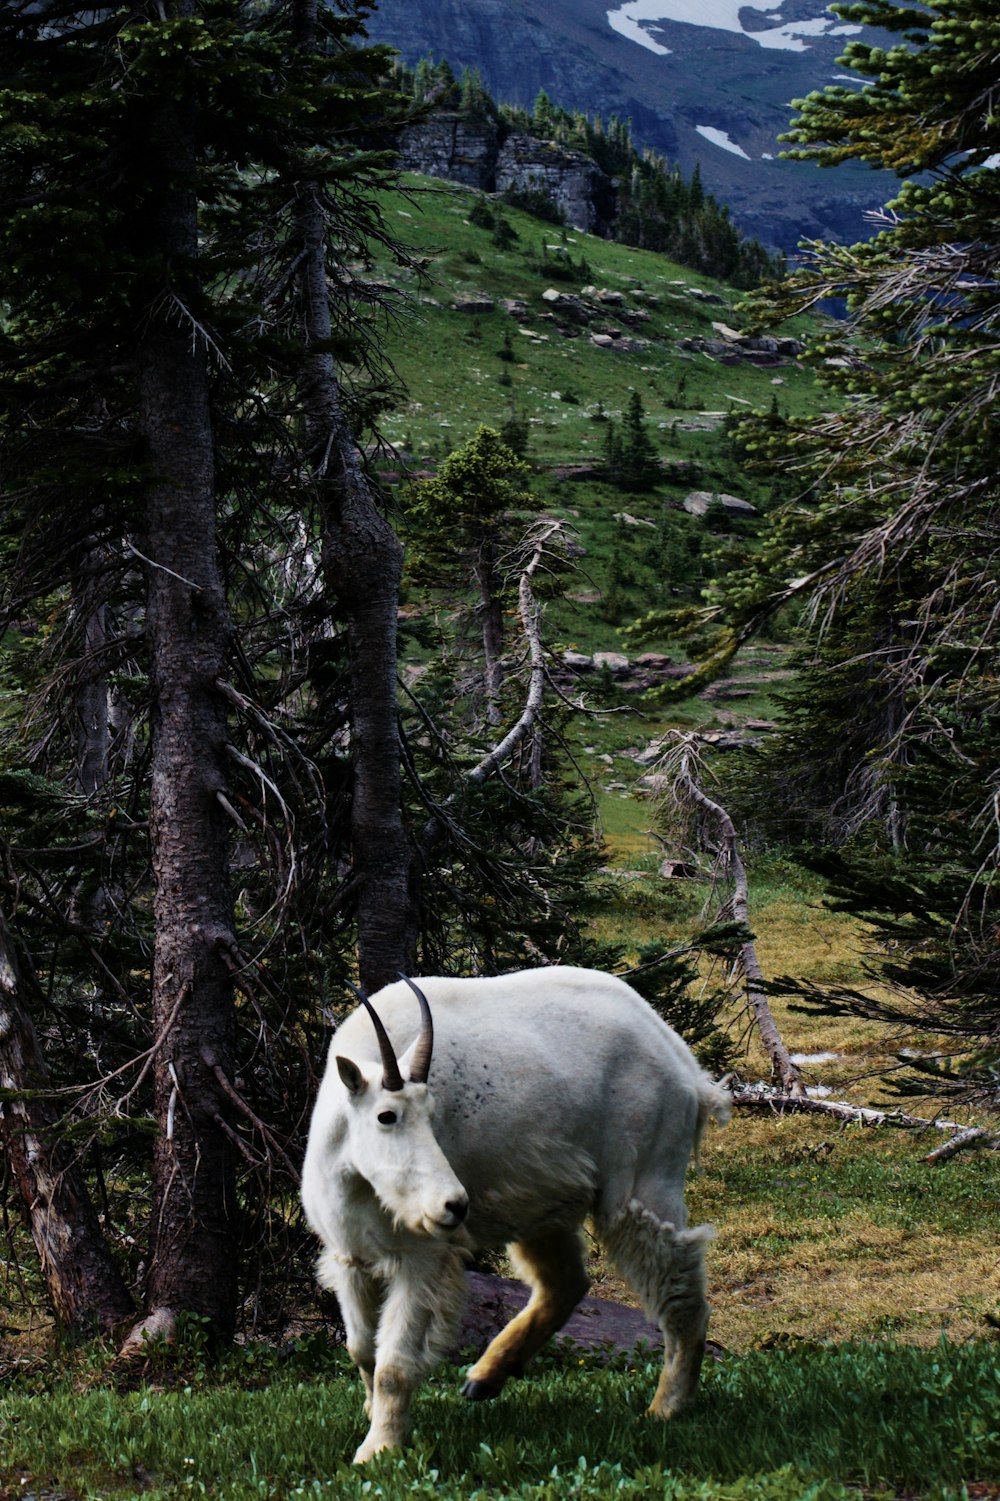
(417, 1327)
(359, 1296)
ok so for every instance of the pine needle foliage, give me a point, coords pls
(889, 550)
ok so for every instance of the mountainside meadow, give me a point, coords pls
(855, 1344)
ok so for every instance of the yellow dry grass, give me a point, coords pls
(778, 1273)
(851, 1270)
(810, 1245)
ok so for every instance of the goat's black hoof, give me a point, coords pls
(480, 1391)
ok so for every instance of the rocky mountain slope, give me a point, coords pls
(706, 81)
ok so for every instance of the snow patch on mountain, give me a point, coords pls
(632, 19)
(719, 138)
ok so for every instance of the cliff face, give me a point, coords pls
(576, 185)
(706, 81)
(494, 160)
(445, 146)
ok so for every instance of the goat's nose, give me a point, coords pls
(458, 1209)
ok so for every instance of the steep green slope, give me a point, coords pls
(452, 360)
(566, 370)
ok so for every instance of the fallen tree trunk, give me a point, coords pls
(739, 908)
(761, 1097)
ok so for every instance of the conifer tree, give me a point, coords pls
(631, 460)
(894, 537)
(153, 378)
(467, 517)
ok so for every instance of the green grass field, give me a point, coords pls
(786, 1424)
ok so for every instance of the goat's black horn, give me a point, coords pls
(391, 1077)
(421, 1065)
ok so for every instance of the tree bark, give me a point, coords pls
(194, 1237)
(362, 564)
(84, 1285)
(194, 1233)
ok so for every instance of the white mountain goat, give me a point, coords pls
(558, 1094)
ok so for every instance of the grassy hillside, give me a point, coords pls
(523, 355)
(451, 364)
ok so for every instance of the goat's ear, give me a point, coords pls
(351, 1076)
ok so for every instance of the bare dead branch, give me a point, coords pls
(763, 1098)
(972, 1136)
(686, 786)
(233, 1095)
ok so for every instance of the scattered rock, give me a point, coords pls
(475, 302)
(493, 1302)
(725, 332)
(578, 472)
(731, 347)
(720, 690)
(627, 520)
(618, 340)
(615, 661)
(567, 308)
(728, 739)
(697, 503)
(605, 295)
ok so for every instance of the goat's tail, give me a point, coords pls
(715, 1103)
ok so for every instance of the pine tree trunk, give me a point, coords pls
(93, 727)
(362, 565)
(194, 1226)
(193, 1261)
(84, 1285)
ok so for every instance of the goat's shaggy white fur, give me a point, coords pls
(554, 1095)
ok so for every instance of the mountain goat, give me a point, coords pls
(558, 1094)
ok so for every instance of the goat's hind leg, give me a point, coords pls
(666, 1267)
(552, 1265)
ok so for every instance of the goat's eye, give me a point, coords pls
(387, 1117)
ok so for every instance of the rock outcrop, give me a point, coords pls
(447, 146)
(583, 194)
(490, 157)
